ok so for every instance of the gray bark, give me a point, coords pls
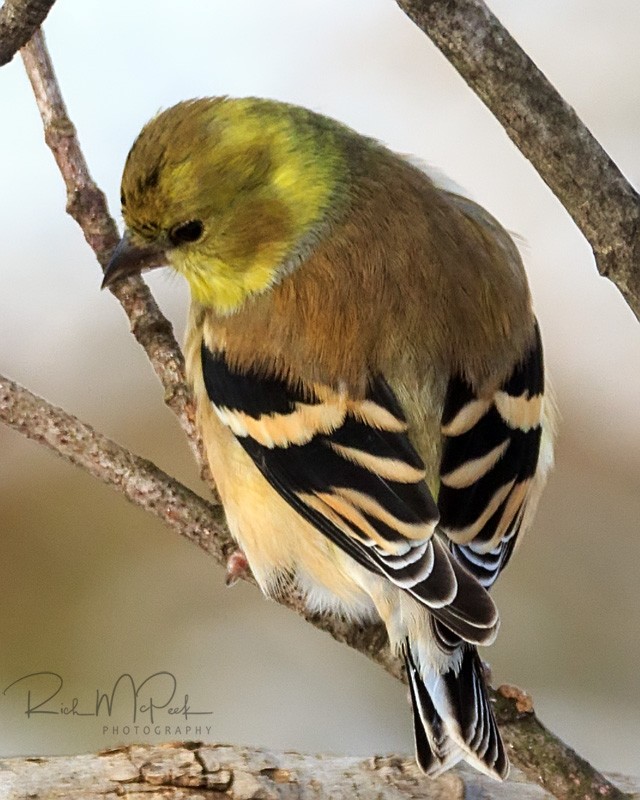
(191, 770)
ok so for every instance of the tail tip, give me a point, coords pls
(453, 719)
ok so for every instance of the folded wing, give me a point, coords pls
(348, 467)
(491, 447)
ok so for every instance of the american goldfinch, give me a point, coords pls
(369, 380)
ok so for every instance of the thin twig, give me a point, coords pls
(137, 479)
(87, 205)
(545, 129)
(18, 21)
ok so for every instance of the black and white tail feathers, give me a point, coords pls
(453, 718)
(490, 460)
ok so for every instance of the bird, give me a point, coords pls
(369, 379)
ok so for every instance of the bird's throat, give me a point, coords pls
(225, 289)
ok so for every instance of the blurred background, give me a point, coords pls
(92, 588)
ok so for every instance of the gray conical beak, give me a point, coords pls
(132, 259)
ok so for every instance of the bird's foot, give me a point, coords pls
(237, 567)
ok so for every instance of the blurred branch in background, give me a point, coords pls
(545, 129)
(19, 19)
(543, 757)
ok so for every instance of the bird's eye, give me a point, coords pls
(186, 232)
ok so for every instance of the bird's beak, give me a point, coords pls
(131, 259)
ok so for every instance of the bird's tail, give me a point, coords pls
(453, 718)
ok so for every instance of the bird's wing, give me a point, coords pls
(347, 466)
(490, 453)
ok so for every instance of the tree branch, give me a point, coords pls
(148, 487)
(137, 479)
(18, 21)
(87, 205)
(544, 757)
(192, 769)
(545, 129)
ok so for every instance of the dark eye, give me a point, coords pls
(186, 232)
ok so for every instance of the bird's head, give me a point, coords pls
(230, 193)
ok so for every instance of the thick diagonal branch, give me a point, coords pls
(18, 21)
(545, 129)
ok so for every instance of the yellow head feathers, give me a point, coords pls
(232, 191)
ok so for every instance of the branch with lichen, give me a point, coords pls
(545, 129)
(543, 757)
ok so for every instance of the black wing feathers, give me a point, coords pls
(490, 454)
(236, 389)
(349, 468)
